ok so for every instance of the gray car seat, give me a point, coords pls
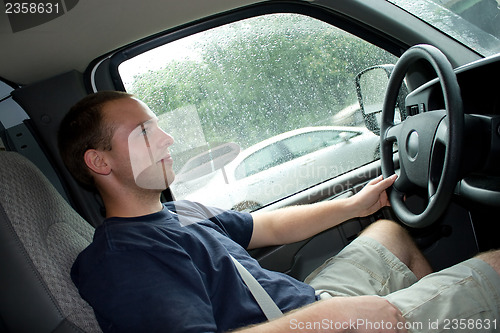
(40, 237)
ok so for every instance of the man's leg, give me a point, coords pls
(492, 258)
(462, 298)
(397, 240)
(381, 260)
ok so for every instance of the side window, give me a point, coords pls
(261, 160)
(279, 86)
(304, 144)
(312, 141)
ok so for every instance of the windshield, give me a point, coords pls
(475, 23)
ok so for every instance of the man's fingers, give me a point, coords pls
(383, 183)
(376, 180)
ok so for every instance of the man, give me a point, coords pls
(168, 268)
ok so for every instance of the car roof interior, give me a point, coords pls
(112, 21)
(98, 28)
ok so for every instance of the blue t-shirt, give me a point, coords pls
(171, 272)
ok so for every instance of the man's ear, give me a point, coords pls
(95, 160)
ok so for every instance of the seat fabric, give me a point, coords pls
(40, 237)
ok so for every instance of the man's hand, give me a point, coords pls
(370, 314)
(373, 196)
(359, 314)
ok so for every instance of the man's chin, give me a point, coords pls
(157, 181)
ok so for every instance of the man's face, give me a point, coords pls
(139, 154)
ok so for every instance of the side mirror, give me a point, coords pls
(371, 85)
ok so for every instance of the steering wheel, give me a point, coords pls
(429, 143)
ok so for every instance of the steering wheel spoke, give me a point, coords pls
(393, 132)
(437, 158)
(402, 183)
(442, 133)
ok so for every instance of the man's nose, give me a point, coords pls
(166, 139)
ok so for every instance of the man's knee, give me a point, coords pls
(386, 228)
(391, 235)
(397, 240)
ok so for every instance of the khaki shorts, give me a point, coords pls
(462, 298)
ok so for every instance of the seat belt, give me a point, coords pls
(266, 303)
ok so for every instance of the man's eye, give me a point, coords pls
(144, 130)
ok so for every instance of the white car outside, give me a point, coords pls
(284, 164)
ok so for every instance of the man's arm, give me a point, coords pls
(340, 314)
(292, 224)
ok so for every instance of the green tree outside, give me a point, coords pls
(263, 76)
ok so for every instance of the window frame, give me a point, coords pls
(103, 73)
